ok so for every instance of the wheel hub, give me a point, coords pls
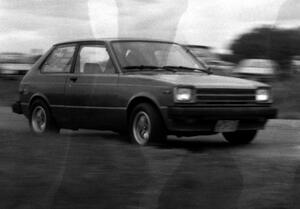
(141, 127)
(39, 119)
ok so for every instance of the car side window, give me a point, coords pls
(94, 60)
(59, 61)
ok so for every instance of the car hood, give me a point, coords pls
(207, 81)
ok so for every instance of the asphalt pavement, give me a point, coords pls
(91, 169)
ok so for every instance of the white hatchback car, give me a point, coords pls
(296, 64)
(16, 63)
(256, 69)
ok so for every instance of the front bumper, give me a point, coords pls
(223, 113)
(16, 107)
(204, 119)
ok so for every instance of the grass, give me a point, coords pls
(82, 170)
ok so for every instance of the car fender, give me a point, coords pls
(145, 95)
(38, 95)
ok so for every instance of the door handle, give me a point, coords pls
(74, 79)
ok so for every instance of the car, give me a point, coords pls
(256, 69)
(296, 64)
(144, 89)
(14, 64)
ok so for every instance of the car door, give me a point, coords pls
(91, 89)
(51, 80)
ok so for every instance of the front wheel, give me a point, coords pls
(146, 125)
(240, 137)
(40, 119)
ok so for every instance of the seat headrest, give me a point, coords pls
(91, 68)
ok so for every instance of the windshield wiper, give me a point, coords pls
(186, 68)
(140, 67)
(132, 68)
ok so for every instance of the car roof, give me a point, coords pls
(111, 40)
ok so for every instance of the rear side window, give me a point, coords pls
(94, 59)
(60, 60)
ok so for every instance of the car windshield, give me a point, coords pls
(201, 52)
(154, 56)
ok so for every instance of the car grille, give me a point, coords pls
(230, 97)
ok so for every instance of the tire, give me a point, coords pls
(146, 125)
(240, 137)
(40, 118)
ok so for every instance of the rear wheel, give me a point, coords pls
(40, 119)
(146, 125)
(240, 137)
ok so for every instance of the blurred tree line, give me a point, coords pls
(267, 42)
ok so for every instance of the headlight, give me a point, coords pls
(262, 95)
(183, 94)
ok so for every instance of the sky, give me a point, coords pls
(38, 24)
